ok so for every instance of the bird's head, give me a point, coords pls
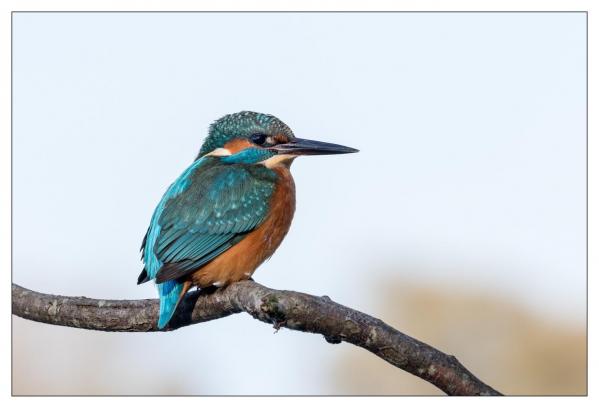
(250, 137)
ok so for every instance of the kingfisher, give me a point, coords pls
(228, 211)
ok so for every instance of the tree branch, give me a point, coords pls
(293, 310)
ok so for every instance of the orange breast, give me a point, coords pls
(240, 262)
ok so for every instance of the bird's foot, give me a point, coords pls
(208, 290)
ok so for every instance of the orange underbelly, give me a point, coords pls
(240, 261)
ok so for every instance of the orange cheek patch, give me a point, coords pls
(281, 138)
(237, 145)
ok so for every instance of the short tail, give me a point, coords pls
(171, 292)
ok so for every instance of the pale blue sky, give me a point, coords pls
(471, 171)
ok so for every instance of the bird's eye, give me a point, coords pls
(258, 138)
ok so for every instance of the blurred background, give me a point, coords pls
(461, 222)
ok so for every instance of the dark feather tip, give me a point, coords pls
(143, 277)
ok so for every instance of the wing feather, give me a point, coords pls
(208, 209)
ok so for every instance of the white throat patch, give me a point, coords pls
(279, 160)
(219, 152)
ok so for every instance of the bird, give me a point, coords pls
(228, 211)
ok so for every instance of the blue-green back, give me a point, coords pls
(206, 211)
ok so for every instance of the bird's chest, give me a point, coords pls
(282, 208)
(240, 261)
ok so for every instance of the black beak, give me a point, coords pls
(311, 147)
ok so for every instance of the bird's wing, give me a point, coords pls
(219, 205)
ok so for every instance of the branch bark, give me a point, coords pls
(293, 310)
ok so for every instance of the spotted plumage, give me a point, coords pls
(228, 211)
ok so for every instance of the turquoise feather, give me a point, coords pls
(169, 291)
